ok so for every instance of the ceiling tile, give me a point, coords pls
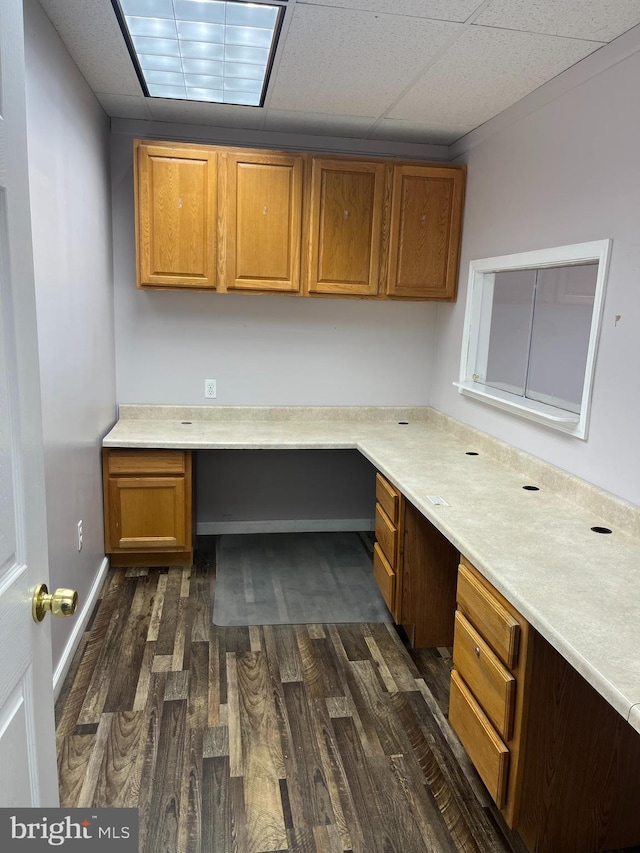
(353, 62)
(317, 123)
(125, 106)
(217, 115)
(600, 20)
(485, 71)
(414, 131)
(93, 37)
(442, 10)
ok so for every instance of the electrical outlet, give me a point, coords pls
(210, 388)
(80, 535)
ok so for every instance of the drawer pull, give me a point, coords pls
(477, 651)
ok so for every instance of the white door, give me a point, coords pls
(27, 739)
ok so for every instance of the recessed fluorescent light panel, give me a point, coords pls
(202, 50)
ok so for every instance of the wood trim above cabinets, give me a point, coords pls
(259, 221)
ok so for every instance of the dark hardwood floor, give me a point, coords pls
(312, 738)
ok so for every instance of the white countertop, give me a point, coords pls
(579, 589)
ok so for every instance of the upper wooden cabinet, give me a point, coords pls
(176, 215)
(261, 205)
(345, 227)
(232, 219)
(426, 221)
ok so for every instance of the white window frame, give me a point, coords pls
(481, 279)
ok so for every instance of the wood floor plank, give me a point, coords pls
(149, 753)
(117, 776)
(395, 655)
(309, 770)
(74, 752)
(198, 687)
(158, 603)
(103, 649)
(144, 677)
(166, 638)
(164, 813)
(262, 755)
(124, 680)
(216, 813)
(190, 819)
(215, 683)
(201, 605)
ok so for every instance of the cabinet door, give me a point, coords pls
(346, 227)
(176, 216)
(426, 222)
(262, 221)
(147, 514)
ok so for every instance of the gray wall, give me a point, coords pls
(316, 488)
(68, 147)
(568, 172)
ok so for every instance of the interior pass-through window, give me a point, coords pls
(531, 331)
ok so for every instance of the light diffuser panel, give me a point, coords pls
(201, 50)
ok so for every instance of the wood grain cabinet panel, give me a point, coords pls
(345, 227)
(385, 577)
(489, 680)
(261, 220)
(426, 223)
(490, 617)
(148, 507)
(176, 215)
(488, 753)
(387, 536)
(388, 497)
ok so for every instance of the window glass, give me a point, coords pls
(511, 311)
(560, 334)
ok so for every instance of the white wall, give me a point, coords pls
(68, 147)
(263, 350)
(569, 172)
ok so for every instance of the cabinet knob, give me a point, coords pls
(346, 214)
(265, 210)
(476, 651)
(179, 203)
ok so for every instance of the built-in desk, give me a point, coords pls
(578, 589)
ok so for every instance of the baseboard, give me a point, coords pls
(80, 623)
(296, 525)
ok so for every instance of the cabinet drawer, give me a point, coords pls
(387, 536)
(385, 576)
(388, 497)
(488, 615)
(146, 461)
(490, 681)
(487, 752)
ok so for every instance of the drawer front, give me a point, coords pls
(146, 461)
(388, 498)
(489, 616)
(387, 536)
(489, 680)
(385, 577)
(485, 749)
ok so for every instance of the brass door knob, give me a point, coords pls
(63, 602)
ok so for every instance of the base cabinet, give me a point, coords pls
(558, 760)
(147, 507)
(415, 568)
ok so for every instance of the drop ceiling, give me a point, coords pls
(420, 71)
